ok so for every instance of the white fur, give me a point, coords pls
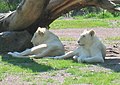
(90, 50)
(46, 44)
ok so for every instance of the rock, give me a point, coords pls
(14, 41)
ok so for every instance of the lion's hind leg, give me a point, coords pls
(24, 53)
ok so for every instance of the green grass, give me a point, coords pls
(10, 65)
(83, 23)
(91, 77)
(113, 38)
(28, 70)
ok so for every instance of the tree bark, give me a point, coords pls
(56, 8)
(33, 13)
(25, 14)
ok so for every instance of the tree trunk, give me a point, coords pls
(31, 14)
(25, 14)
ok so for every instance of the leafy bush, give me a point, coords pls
(90, 15)
(100, 15)
(116, 14)
(105, 15)
(3, 7)
(8, 6)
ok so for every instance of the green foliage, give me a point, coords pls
(91, 15)
(3, 7)
(105, 15)
(100, 15)
(116, 14)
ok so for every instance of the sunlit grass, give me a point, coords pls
(14, 65)
(84, 23)
(28, 70)
(113, 38)
(91, 77)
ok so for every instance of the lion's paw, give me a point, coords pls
(80, 60)
(14, 54)
(10, 53)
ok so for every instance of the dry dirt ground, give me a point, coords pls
(113, 46)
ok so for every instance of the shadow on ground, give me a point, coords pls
(112, 60)
(26, 63)
(113, 64)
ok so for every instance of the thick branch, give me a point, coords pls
(27, 13)
(67, 5)
(32, 13)
(58, 7)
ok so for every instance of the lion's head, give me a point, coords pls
(86, 38)
(40, 36)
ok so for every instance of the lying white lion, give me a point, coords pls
(91, 49)
(46, 44)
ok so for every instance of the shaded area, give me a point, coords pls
(113, 64)
(26, 63)
(112, 58)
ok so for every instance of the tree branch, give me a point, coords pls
(26, 13)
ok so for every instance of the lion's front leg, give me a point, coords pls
(81, 58)
(67, 55)
(24, 53)
(95, 59)
(20, 54)
(17, 55)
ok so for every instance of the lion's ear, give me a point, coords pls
(41, 31)
(91, 32)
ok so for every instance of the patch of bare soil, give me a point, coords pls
(13, 80)
(58, 76)
(112, 60)
(44, 78)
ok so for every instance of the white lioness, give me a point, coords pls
(46, 44)
(90, 50)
